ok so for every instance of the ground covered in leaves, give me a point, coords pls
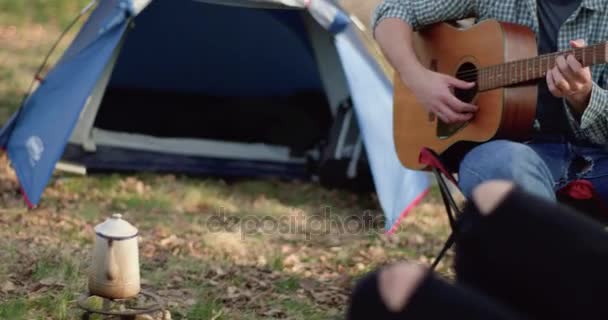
(212, 249)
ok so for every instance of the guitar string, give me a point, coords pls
(591, 49)
(471, 74)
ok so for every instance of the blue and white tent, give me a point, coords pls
(231, 87)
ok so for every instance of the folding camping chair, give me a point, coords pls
(578, 194)
(430, 159)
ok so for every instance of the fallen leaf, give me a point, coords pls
(345, 281)
(171, 241)
(308, 284)
(8, 287)
(274, 313)
(219, 271)
(139, 188)
(232, 292)
(291, 261)
(217, 315)
(262, 261)
(48, 282)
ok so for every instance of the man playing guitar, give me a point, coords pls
(571, 127)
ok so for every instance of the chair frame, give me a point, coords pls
(441, 173)
(430, 158)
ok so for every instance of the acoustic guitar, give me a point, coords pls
(502, 59)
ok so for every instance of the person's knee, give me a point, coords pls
(386, 290)
(489, 195)
(397, 284)
(502, 160)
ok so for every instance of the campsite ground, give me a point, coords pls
(203, 268)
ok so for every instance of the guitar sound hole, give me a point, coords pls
(466, 72)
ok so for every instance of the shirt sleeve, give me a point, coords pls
(419, 13)
(592, 125)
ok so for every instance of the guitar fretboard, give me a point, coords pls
(525, 70)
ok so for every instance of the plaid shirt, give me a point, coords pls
(589, 22)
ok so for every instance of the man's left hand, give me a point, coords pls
(570, 80)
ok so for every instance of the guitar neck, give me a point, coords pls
(520, 71)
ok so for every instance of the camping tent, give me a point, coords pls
(240, 87)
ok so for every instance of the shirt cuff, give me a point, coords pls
(592, 125)
(596, 110)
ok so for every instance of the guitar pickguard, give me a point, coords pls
(446, 130)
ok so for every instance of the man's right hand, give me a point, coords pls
(435, 92)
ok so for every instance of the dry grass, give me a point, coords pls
(199, 257)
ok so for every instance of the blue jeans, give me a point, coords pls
(541, 166)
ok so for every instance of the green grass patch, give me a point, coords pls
(8, 253)
(204, 310)
(9, 102)
(56, 266)
(43, 269)
(57, 305)
(90, 212)
(296, 309)
(188, 269)
(288, 285)
(40, 11)
(102, 183)
(14, 309)
(141, 203)
(276, 262)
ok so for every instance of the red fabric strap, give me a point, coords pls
(429, 158)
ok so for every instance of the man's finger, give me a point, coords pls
(460, 84)
(564, 69)
(551, 85)
(577, 68)
(443, 118)
(574, 64)
(436, 111)
(578, 43)
(460, 106)
(560, 82)
(449, 115)
(452, 116)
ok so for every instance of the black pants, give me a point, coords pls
(529, 259)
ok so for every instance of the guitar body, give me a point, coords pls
(506, 113)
